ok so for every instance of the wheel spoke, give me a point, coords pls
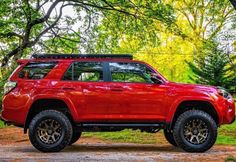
(42, 129)
(57, 134)
(193, 124)
(188, 133)
(48, 137)
(46, 125)
(52, 123)
(198, 141)
(56, 127)
(203, 130)
(202, 135)
(53, 138)
(191, 138)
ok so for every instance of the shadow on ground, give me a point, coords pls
(111, 148)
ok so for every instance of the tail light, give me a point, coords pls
(9, 86)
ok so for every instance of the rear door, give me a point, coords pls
(87, 89)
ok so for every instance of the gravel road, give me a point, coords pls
(15, 147)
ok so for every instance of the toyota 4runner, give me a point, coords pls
(56, 97)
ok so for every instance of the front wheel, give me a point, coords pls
(50, 131)
(195, 131)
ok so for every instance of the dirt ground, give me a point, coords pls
(15, 146)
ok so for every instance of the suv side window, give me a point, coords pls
(130, 72)
(36, 70)
(85, 72)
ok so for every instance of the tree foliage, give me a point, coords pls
(197, 21)
(28, 23)
(213, 68)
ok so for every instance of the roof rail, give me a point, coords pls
(78, 56)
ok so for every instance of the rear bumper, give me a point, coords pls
(12, 113)
(1, 118)
(10, 123)
(5, 121)
(11, 117)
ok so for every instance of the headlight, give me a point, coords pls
(9, 86)
(221, 91)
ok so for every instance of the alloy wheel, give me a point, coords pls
(49, 131)
(196, 131)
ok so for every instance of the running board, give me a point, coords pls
(120, 125)
(91, 127)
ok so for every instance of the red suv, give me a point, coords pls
(56, 97)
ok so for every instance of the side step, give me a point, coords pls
(131, 125)
(100, 127)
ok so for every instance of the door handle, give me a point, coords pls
(117, 89)
(68, 88)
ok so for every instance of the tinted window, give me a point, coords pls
(36, 70)
(130, 72)
(85, 71)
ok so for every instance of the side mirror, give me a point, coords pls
(156, 79)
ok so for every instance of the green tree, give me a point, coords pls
(197, 21)
(213, 68)
(26, 24)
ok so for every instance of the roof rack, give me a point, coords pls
(78, 56)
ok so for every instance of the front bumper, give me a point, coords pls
(228, 111)
(232, 120)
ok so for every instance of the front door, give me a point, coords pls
(133, 95)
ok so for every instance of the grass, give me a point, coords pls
(125, 136)
(230, 158)
(227, 134)
(2, 125)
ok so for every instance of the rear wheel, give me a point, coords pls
(169, 137)
(195, 131)
(50, 131)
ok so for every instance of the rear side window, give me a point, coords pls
(36, 70)
(85, 72)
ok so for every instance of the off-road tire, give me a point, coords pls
(169, 137)
(75, 136)
(195, 115)
(65, 129)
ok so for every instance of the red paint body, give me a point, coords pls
(109, 101)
